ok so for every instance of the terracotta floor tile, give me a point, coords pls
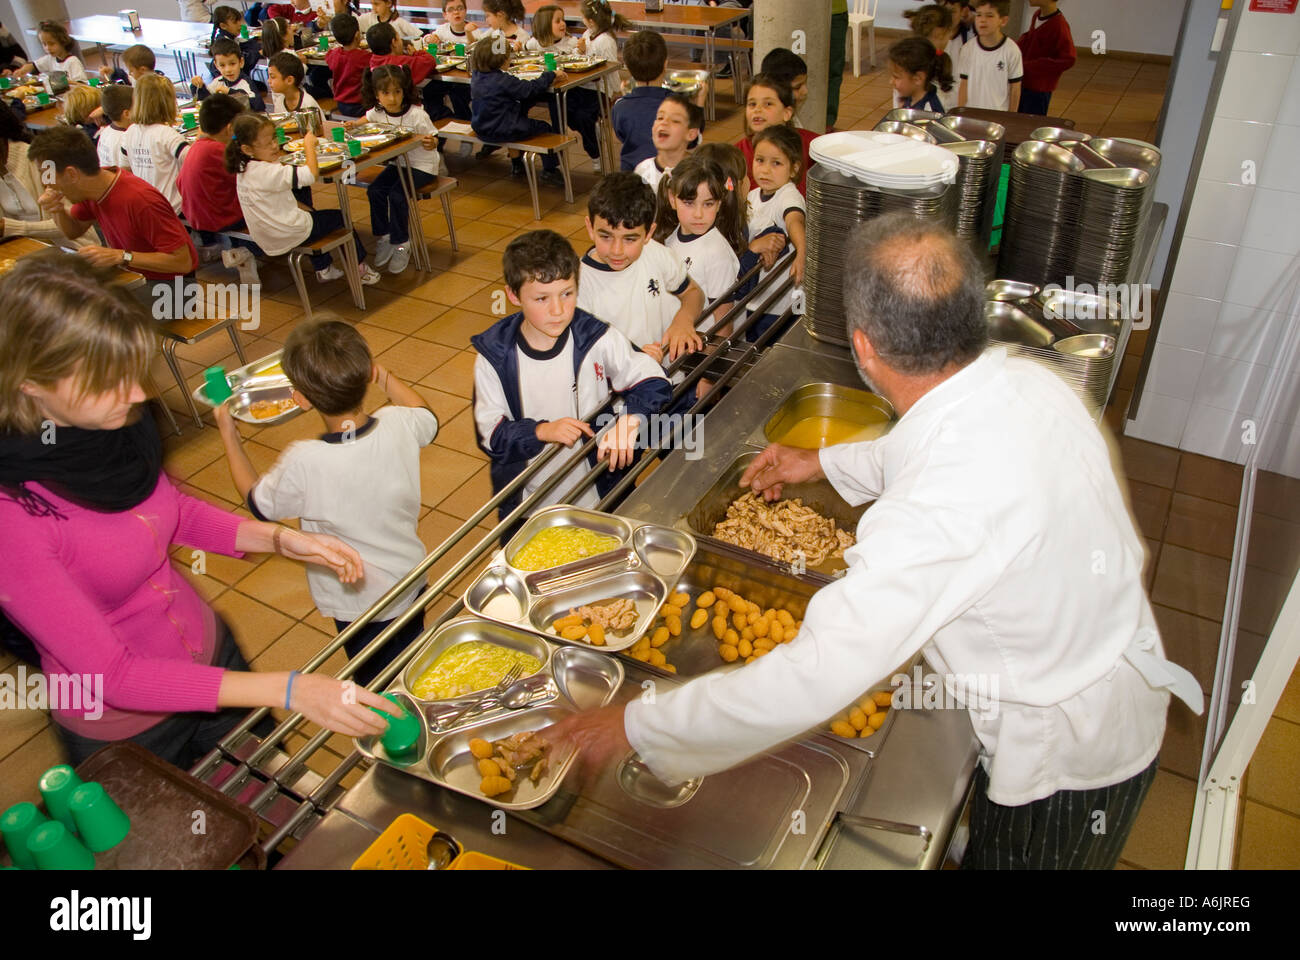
(455, 376)
(415, 359)
(1184, 739)
(1269, 839)
(442, 470)
(24, 766)
(1150, 507)
(456, 326)
(1190, 641)
(1209, 478)
(483, 264)
(459, 433)
(1274, 773)
(466, 499)
(295, 647)
(377, 338)
(280, 584)
(209, 588)
(445, 406)
(254, 624)
(1194, 582)
(450, 289)
(1203, 525)
(1149, 462)
(20, 723)
(1159, 838)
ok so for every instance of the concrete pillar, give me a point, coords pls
(29, 13)
(803, 26)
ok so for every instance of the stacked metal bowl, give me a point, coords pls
(835, 205)
(1075, 208)
(1075, 335)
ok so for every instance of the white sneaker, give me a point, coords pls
(369, 275)
(383, 250)
(332, 272)
(241, 258)
(401, 258)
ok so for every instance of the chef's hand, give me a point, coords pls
(323, 551)
(343, 707)
(566, 431)
(619, 442)
(779, 465)
(597, 735)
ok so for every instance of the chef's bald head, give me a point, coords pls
(917, 292)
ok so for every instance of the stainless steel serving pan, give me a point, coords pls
(643, 568)
(579, 679)
(829, 400)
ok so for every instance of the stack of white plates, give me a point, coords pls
(885, 159)
(836, 204)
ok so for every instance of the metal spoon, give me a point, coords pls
(442, 850)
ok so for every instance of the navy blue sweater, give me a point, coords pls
(500, 104)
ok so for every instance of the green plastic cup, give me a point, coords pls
(460, 49)
(403, 732)
(101, 822)
(549, 60)
(217, 388)
(338, 134)
(16, 824)
(324, 44)
(354, 148)
(94, 81)
(42, 98)
(243, 32)
(4, 83)
(56, 785)
(432, 50)
(280, 135)
(54, 847)
(189, 121)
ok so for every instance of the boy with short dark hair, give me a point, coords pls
(347, 64)
(645, 55)
(1047, 49)
(676, 131)
(231, 77)
(359, 481)
(284, 75)
(991, 68)
(137, 60)
(209, 198)
(115, 103)
(543, 372)
(632, 281)
(789, 66)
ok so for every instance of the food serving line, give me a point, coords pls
(890, 800)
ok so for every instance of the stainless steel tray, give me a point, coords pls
(257, 368)
(820, 496)
(253, 391)
(578, 678)
(644, 568)
(812, 400)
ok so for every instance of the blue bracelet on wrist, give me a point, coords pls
(288, 690)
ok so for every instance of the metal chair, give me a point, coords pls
(188, 332)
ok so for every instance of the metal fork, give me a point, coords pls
(489, 699)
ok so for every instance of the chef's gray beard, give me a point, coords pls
(865, 379)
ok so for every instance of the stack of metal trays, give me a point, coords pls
(1075, 335)
(1075, 208)
(979, 146)
(836, 204)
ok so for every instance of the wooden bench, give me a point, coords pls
(440, 188)
(546, 143)
(341, 240)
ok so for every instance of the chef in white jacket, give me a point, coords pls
(999, 544)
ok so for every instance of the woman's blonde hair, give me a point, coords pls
(154, 101)
(79, 103)
(66, 318)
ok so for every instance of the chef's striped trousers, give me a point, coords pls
(1070, 830)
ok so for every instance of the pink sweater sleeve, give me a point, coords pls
(39, 595)
(205, 526)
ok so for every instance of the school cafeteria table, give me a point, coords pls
(45, 117)
(344, 176)
(109, 33)
(15, 248)
(674, 17)
(1018, 125)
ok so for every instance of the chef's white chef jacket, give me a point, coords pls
(999, 544)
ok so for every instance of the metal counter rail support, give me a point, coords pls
(291, 770)
(310, 804)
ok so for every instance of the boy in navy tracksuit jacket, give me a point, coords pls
(542, 372)
(500, 105)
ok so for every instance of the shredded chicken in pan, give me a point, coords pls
(521, 750)
(782, 530)
(618, 615)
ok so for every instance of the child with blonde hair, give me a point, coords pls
(152, 146)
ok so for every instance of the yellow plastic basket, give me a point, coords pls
(403, 846)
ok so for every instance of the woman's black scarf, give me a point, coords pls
(104, 470)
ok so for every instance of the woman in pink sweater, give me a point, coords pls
(87, 518)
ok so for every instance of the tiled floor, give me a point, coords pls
(419, 325)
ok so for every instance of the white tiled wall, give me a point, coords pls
(1238, 268)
